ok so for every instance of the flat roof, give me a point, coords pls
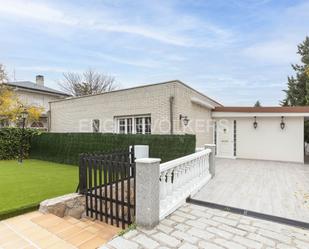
(266, 109)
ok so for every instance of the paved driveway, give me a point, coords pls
(274, 188)
(194, 227)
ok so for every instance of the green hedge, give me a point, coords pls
(66, 147)
(10, 139)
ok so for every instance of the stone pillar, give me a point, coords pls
(147, 192)
(141, 151)
(212, 165)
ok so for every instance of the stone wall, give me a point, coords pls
(75, 204)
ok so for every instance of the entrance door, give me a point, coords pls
(225, 139)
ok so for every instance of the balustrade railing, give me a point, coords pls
(181, 178)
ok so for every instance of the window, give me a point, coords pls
(148, 125)
(122, 126)
(96, 125)
(139, 125)
(134, 125)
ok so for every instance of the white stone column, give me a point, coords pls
(147, 192)
(212, 165)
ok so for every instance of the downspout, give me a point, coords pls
(171, 115)
(49, 118)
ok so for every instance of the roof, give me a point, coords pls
(268, 109)
(142, 86)
(33, 86)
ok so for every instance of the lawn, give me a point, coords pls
(24, 186)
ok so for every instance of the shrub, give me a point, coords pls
(10, 140)
(66, 147)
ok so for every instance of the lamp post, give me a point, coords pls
(24, 116)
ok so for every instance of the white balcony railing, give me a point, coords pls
(181, 178)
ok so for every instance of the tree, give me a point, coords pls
(3, 75)
(11, 106)
(88, 83)
(257, 104)
(297, 93)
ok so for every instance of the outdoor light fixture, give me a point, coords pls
(282, 124)
(184, 119)
(255, 124)
(24, 116)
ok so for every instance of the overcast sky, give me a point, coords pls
(235, 51)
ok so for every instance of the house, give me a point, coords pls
(268, 133)
(36, 94)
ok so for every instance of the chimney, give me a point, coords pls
(39, 80)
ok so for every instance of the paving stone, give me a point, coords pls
(199, 213)
(301, 236)
(121, 243)
(229, 244)
(247, 227)
(148, 232)
(185, 236)
(166, 239)
(196, 224)
(182, 227)
(225, 221)
(274, 235)
(168, 222)
(248, 242)
(233, 230)
(261, 239)
(177, 218)
(220, 232)
(198, 207)
(188, 246)
(185, 215)
(200, 233)
(208, 245)
(209, 222)
(164, 228)
(130, 234)
(284, 246)
(145, 241)
(301, 244)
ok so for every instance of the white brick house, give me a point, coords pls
(175, 108)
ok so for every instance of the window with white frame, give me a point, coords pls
(134, 125)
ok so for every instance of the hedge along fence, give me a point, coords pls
(66, 147)
(10, 141)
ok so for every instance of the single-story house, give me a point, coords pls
(268, 133)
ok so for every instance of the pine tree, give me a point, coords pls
(257, 104)
(297, 93)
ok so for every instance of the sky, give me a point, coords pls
(235, 51)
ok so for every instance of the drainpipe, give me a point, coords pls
(171, 115)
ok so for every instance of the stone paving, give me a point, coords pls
(193, 226)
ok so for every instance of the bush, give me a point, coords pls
(66, 147)
(10, 139)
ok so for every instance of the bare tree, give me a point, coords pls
(88, 83)
(3, 74)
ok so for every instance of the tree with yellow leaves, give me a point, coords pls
(11, 107)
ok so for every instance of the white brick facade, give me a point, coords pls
(76, 114)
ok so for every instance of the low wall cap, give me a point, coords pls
(148, 160)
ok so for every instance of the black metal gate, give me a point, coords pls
(108, 183)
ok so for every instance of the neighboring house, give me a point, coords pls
(175, 108)
(36, 94)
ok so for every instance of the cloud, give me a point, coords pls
(172, 32)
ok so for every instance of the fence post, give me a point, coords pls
(82, 175)
(147, 192)
(212, 165)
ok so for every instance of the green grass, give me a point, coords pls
(24, 186)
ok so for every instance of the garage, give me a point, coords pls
(263, 133)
